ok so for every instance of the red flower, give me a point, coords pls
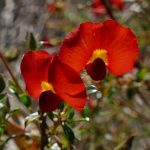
(51, 81)
(118, 3)
(98, 46)
(51, 7)
(99, 8)
(55, 6)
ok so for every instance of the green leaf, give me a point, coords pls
(69, 133)
(111, 93)
(85, 112)
(50, 115)
(14, 89)
(141, 74)
(2, 83)
(31, 118)
(31, 42)
(62, 105)
(70, 114)
(2, 129)
(2, 96)
(7, 104)
(1, 118)
(25, 99)
(39, 46)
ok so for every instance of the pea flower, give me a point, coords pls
(97, 46)
(99, 8)
(55, 6)
(119, 3)
(51, 81)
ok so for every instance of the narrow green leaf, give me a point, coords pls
(1, 118)
(31, 42)
(2, 129)
(141, 74)
(62, 105)
(70, 114)
(2, 83)
(2, 96)
(25, 99)
(14, 89)
(85, 112)
(111, 94)
(69, 133)
(50, 115)
(7, 104)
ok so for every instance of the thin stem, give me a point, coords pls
(108, 8)
(7, 66)
(44, 139)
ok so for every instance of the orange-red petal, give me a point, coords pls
(67, 84)
(49, 101)
(96, 69)
(34, 68)
(77, 47)
(119, 42)
(121, 45)
(119, 3)
(98, 8)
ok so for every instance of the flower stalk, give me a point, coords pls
(44, 139)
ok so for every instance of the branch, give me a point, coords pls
(44, 139)
(108, 8)
(7, 66)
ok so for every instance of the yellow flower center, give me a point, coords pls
(99, 53)
(47, 86)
